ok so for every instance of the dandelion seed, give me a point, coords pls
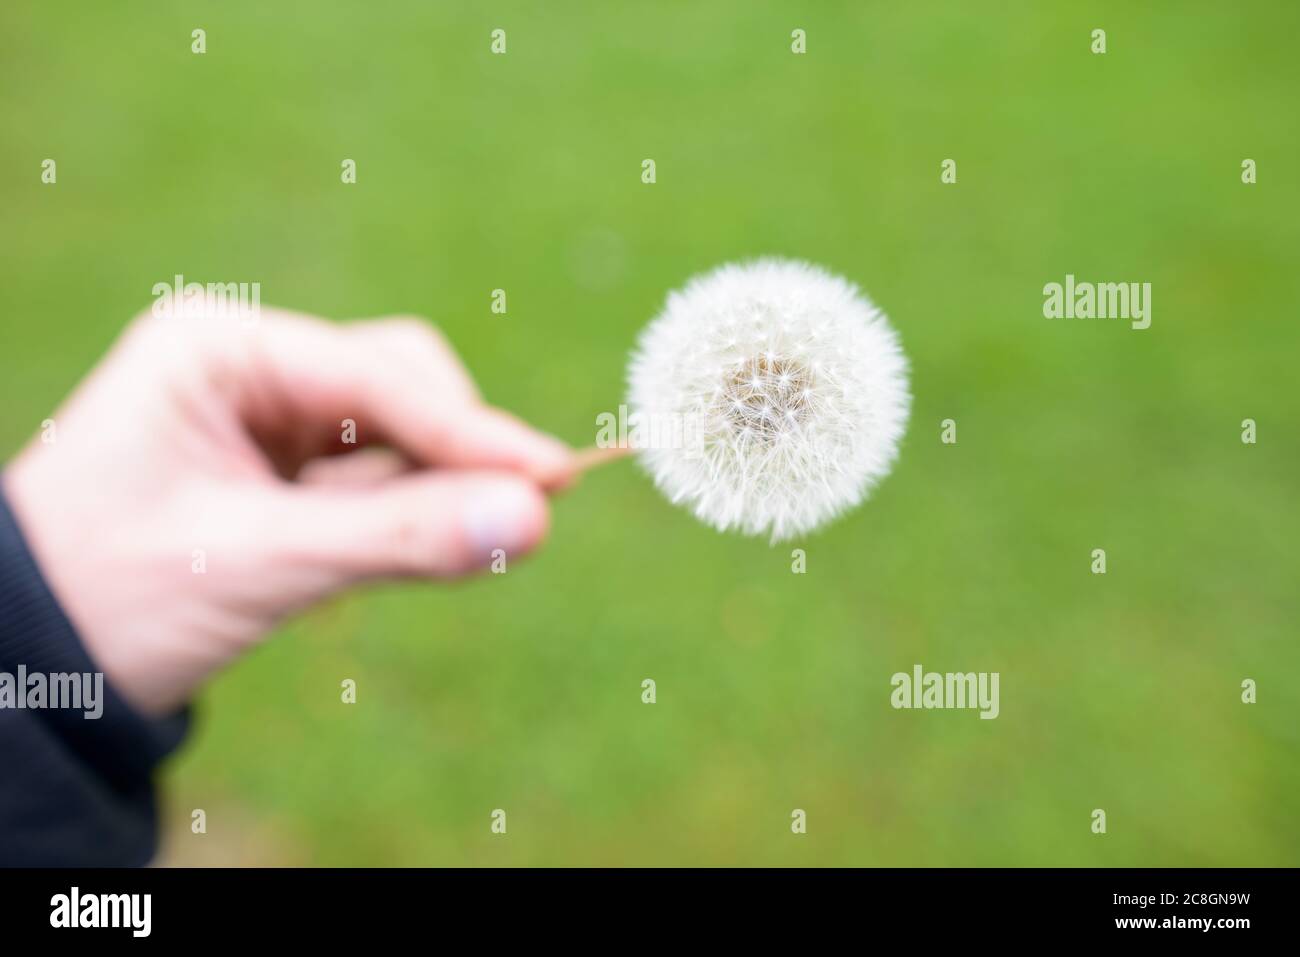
(800, 396)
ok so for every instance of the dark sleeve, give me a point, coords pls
(74, 791)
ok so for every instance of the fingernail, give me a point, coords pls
(505, 518)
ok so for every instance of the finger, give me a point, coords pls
(428, 524)
(483, 436)
(303, 373)
(360, 469)
(419, 350)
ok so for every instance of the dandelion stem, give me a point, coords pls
(594, 455)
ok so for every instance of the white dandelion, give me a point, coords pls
(794, 387)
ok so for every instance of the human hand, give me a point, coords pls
(196, 489)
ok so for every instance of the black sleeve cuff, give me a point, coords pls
(77, 791)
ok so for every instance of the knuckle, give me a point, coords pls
(424, 550)
(405, 326)
(411, 547)
(409, 334)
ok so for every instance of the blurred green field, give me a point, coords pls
(522, 172)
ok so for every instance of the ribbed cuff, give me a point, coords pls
(121, 745)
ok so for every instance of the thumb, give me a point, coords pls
(428, 524)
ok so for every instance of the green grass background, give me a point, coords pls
(522, 171)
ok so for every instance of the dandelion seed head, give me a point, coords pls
(796, 387)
